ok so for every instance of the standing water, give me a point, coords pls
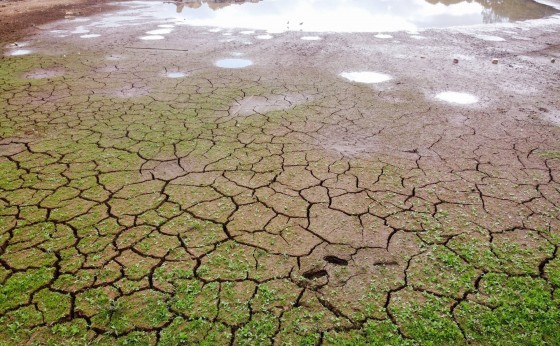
(348, 15)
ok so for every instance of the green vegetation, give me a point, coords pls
(137, 215)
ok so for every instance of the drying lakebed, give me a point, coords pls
(283, 173)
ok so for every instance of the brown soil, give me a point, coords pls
(17, 17)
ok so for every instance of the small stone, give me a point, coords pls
(553, 60)
(495, 61)
(455, 61)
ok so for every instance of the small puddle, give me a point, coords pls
(311, 38)
(90, 36)
(264, 37)
(152, 37)
(233, 63)
(366, 77)
(80, 30)
(19, 52)
(175, 74)
(457, 97)
(490, 38)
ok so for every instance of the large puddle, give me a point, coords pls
(348, 15)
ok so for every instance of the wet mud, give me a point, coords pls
(149, 196)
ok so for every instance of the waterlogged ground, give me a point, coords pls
(150, 196)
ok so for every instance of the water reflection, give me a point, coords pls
(351, 15)
(234, 63)
(212, 4)
(496, 11)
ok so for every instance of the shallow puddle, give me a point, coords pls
(347, 15)
(457, 97)
(264, 37)
(366, 77)
(233, 63)
(490, 38)
(152, 37)
(19, 52)
(175, 74)
(80, 30)
(90, 36)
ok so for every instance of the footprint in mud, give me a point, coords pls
(314, 274)
(336, 260)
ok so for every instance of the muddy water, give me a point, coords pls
(349, 15)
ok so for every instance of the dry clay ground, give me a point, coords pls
(280, 203)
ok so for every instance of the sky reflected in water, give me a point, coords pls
(349, 15)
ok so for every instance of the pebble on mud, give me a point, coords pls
(495, 61)
(553, 60)
(455, 61)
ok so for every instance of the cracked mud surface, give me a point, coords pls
(280, 203)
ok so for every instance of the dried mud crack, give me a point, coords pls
(253, 207)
